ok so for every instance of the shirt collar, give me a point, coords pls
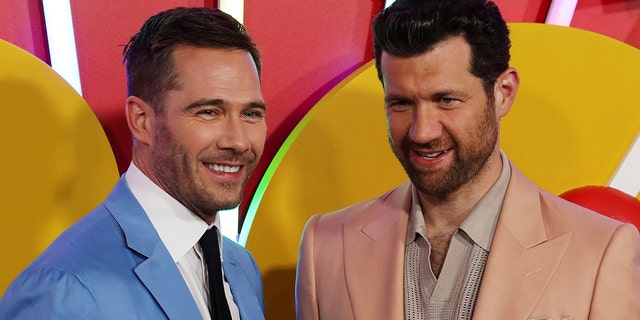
(178, 228)
(481, 222)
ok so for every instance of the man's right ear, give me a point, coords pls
(139, 119)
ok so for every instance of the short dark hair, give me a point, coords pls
(148, 54)
(412, 27)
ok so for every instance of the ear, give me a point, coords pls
(505, 91)
(139, 119)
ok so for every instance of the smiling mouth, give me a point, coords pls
(432, 155)
(223, 168)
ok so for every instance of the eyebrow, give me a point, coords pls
(444, 93)
(394, 97)
(220, 102)
(433, 96)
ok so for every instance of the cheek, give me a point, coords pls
(257, 137)
(398, 126)
(195, 141)
(465, 122)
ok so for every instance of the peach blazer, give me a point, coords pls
(550, 259)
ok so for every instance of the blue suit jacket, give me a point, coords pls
(112, 265)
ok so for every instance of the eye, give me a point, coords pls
(398, 105)
(448, 102)
(254, 114)
(207, 113)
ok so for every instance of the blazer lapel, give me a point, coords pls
(164, 281)
(157, 272)
(522, 259)
(373, 256)
(246, 300)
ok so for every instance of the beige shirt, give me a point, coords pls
(478, 228)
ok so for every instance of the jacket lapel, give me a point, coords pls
(522, 259)
(373, 254)
(164, 281)
(157, 272)
(246, 300)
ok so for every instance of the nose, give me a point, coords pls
(234, 135)
(426, 125)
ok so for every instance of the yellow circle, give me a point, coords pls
(57, 163)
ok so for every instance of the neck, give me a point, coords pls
(444, 213)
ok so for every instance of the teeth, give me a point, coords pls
(225, 169)
(431, 155)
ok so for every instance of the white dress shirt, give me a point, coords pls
(180, 230)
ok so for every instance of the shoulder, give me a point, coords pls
(92, 252)
(592, 233)
(560, 214)
(47, 290)
(374, 217)
(395, 200)
(526, 202)
(86, 239)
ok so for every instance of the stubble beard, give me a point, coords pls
(179, 177)
(469, 160)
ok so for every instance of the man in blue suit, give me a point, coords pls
(197, 118)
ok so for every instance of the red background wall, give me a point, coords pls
(307, 47)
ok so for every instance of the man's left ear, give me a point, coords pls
(506, 88)
(139, 117)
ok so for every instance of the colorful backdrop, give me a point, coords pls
(308, 48)
(324, 40)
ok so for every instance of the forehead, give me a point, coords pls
(448, 61)
(225, 64)
(211, 70)
(227, 77)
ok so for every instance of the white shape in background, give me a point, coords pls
(61, 39)
(229, 218)
(561, 12)
(234, 8)
(229, 223)
(627, 176)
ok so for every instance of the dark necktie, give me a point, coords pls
(211, 251)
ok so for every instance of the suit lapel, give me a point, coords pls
(157, 272)
(246, 300)
(522, 259)
(373, 256)
(164, 281)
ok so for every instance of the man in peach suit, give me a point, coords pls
(469, 236)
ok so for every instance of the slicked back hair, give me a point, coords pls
(148, 56)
